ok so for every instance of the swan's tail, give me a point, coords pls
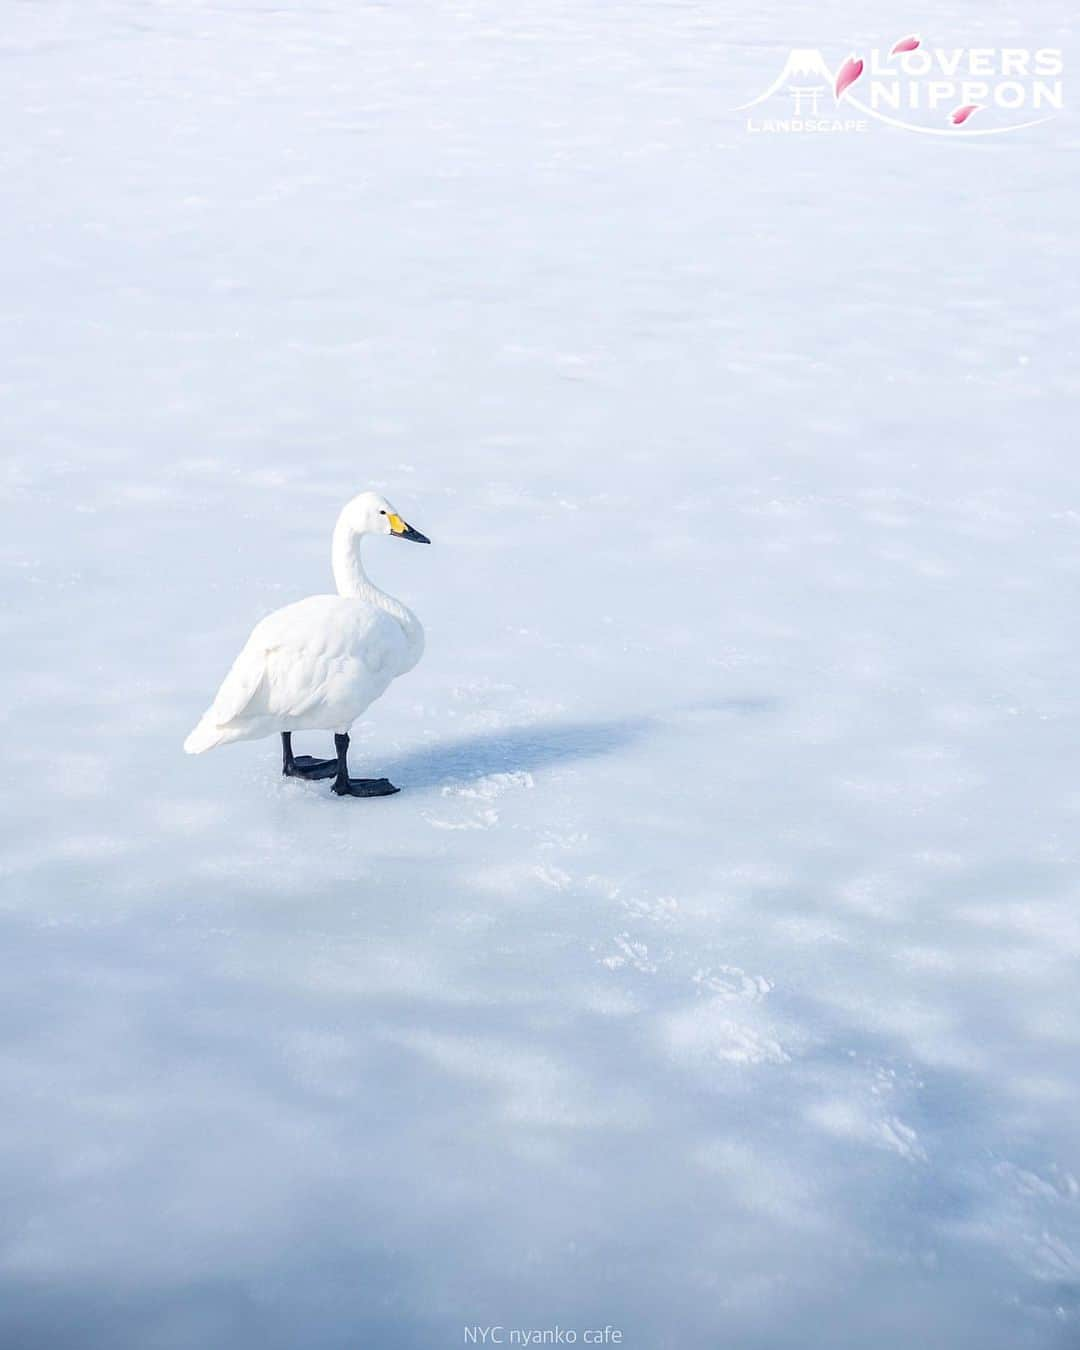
(207, 735)
(224, 720)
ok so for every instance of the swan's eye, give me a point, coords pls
(382, 513)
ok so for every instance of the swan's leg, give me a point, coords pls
(345, 786)
(303, 766)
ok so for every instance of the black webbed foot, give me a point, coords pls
(307, 766)
(365, 787)
(345, 786)
(304, 766)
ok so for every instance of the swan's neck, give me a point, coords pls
(352, 581)
(349, 575)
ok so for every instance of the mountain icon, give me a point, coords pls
(803, 64)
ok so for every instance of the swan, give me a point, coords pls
(318, 664)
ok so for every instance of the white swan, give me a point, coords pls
(318, 664)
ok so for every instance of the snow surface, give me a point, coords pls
(714, 976)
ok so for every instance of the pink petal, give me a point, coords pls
(961, 115)
(849, 72)
(907, 44)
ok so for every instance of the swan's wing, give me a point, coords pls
(384, 649)
(346, 652)
(242, 690)
(241, 686)
(323, 651)
(246, 689)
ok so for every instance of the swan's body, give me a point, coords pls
(313, 666)
(318, 664)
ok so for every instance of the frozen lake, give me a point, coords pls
(714, 975)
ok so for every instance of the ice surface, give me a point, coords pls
(714, 975)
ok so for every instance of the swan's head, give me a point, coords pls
(371, 513)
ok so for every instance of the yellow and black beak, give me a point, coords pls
(403, 531)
